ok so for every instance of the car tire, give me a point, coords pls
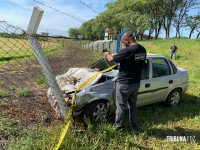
(96, 111)
(173, 98)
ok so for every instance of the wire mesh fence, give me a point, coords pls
(27, 120)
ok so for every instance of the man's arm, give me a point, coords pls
(108, 56)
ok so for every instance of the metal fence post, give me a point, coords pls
(46, 68)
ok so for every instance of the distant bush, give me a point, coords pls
(14, 35)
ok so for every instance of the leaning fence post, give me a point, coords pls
(46, 68)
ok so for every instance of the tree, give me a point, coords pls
(193, 23)
(130, 14)
(198, 34)
(170, 7)
(86, 29)
(198, 27)
(74, 33)
(181, 13)
(156, 13)
(139, 16)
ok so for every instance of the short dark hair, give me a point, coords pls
(129, 36)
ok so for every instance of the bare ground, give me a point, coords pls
(33, 107)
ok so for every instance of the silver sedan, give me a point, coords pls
(161, 80)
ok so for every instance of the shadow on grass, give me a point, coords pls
(158, 114)
(161, 114)
(139, 146)
(14, 58)
(176, 134)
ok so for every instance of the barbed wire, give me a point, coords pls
(89, 7)
(58, 11)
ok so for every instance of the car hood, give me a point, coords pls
(70, 81)
(99, 91)
(74, 77)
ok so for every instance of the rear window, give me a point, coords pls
(174, 69)
(160, 67)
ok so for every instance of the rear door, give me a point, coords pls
(160, 81)
(144, 84)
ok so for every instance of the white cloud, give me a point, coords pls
(21, 3)
(56, 22)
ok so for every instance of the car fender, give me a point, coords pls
(178, 87)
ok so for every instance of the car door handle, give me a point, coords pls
(147, 85)
(170, 81)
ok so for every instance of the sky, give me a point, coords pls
(18, 13)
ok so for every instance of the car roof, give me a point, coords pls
(155, 56)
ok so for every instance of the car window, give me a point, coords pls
(145, 71)
(160, 67)
(174, 69)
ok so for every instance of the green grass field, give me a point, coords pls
(156, 122)
(18, 49)
(188, 57)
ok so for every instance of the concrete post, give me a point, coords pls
(46, 68)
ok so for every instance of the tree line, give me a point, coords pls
(142, 17)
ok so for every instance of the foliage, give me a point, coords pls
(23, 92)
(8, 127)
(40, 80)
(74, 33)
(193, 22)
(138, 17)
(3, 93)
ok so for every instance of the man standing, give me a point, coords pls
(173, 50)
(131, 59)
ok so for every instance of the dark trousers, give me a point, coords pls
(173, 53)
(126, 93)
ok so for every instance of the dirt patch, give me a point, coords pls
(33, 107)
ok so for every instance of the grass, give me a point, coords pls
(18, 49)
(23, 92)
(40, 80)
(3, 93)
(188, 57)
(156, 122)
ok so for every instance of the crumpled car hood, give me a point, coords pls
(70, 81)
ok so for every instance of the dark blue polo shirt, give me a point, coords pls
(131, 61)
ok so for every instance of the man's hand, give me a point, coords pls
(108, 56)
(105, 54)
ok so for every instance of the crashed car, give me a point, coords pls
(161, 80)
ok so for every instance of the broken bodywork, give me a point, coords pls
(101, 87)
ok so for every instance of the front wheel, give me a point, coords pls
(174, 97)
(96, 111)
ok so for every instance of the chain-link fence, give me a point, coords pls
(27, 120)
(101, 44)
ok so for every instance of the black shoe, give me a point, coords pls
(134, 131)
(117, 128)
